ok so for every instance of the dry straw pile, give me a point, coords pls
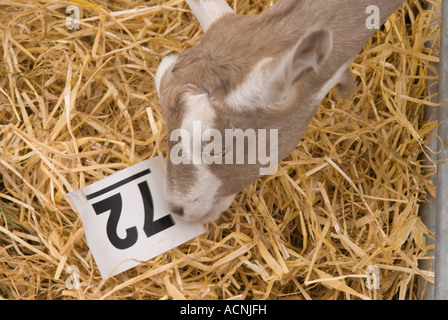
(78, 105)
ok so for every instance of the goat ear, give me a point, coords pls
(209, 11)
(272, 81)
(309, 53)
(166, 64)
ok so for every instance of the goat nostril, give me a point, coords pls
(177, 210)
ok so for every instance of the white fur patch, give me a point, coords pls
(198, 109)
(167, 63)
(252, 93)
(209, 11)
(249, 95)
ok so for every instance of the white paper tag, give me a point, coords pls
(126, 219)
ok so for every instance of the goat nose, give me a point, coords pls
(177, 210)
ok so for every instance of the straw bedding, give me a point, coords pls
(78, 105)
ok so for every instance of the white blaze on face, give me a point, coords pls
(199, 116)
(202, 202)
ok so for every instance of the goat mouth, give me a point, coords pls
(209, 217)
(217, 208)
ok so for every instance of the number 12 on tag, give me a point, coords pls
(121, 223)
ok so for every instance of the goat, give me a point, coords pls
(265, 72)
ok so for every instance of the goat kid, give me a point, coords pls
(266, 72)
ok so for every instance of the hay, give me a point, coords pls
(78, 105)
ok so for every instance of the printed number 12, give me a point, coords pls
(114, 204)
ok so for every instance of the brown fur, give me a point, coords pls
(230, 49)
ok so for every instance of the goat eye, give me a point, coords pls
(215, 153)
(209, 95)
(219, 153)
